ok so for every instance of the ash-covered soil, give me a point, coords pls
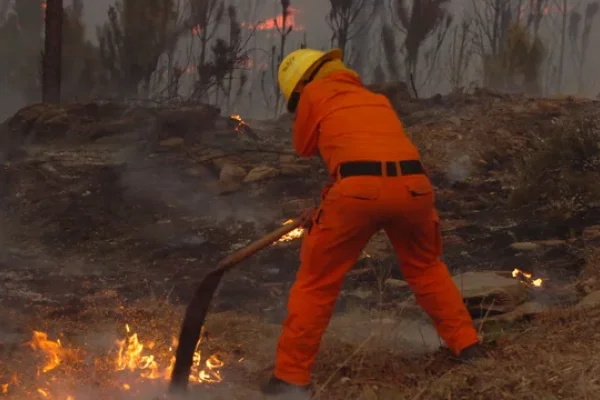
(106, 207)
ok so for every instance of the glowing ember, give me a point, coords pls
(527, 277)
(293, 235)
(241, 124)
(131, 358)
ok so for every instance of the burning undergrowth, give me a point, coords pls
(133, 366)
(136, 363)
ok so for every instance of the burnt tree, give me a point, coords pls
(51, 68)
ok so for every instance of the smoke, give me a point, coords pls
(189, 192)
(459, 169)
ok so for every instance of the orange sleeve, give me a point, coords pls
(306, 128)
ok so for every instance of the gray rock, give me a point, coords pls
(525, 246)
(232, 173)
(396, 284)
(261, 173)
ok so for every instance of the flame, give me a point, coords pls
(553, 9)
(144, 359)
(54, 351)
(241, 124)
(277, 22)
(528, 277)
(293, 235)
(133, 357)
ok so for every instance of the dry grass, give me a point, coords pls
(557, 356)
(558, 179)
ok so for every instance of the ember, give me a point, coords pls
(241, 124)
(527, 277)
(133, 357)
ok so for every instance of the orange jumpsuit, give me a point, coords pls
(344, 121)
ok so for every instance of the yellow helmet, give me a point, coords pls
(297, 67)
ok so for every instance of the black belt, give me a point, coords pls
(375, 168)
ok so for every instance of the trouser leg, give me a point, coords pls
(419, 247)
(328, 252)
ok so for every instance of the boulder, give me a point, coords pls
(398, 284)
(232, 173)
(294, 169)
(496, 291)
(522, 311)
(493, 291)
(287, 159)
(261, 173)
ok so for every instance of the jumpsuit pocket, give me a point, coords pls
(357, 190)
(437, 235)
(420, 188)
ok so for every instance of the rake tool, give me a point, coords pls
(195, 314)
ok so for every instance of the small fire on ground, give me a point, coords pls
(130, 363)
(241, 124)
(527, 278)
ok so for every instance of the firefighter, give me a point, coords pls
(377, 182)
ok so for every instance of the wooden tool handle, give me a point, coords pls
(264, 241)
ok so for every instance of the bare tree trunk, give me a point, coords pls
(561, 54)
(51, 71)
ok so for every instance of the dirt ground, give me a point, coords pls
(110, 215)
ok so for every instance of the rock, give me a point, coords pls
(261, 173)
(551, 242)
(525, 246)
(171, 142)
(226, 187)
(287, 159)
(491, 290)
(294, 169)
(232, 173)
(591, 300)
(396, 284)
(522, 311)
(400, 334)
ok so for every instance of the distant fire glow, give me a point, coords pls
(273, 23)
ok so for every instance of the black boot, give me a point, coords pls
(276, 388)
(471, 353)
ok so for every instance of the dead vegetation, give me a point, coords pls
(554, 355)
(143, 231)
(558, 178)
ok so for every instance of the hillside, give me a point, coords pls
(111, 214)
